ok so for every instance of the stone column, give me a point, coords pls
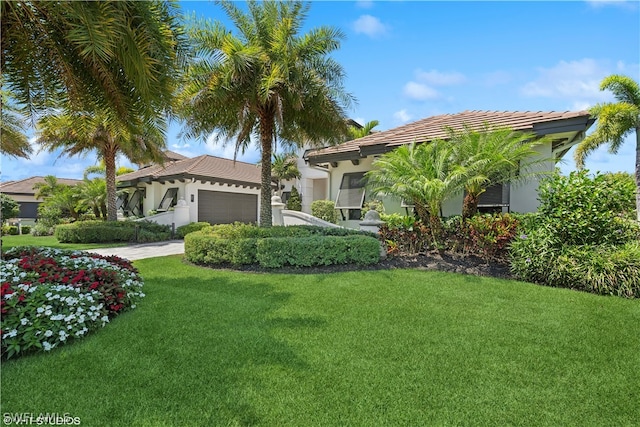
(181, 213)
(276, 210)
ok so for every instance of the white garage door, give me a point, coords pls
(217, 207)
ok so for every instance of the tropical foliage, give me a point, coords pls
(360, 132)
(492, 156)
(615, 121)
(268, 79)
(81, 133)
(284, 167)
(10, 208)
(13, 126)
(115, 56)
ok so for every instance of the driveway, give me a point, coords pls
(144, 250)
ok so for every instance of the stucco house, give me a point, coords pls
(22, 192)
(336, 172)
(211, 189)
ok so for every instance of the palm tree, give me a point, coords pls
(356, 132)
(81, 133)
(93, 195)
(268, 80)
(493, 156)
(48, 187)
(615, 121)
(12, 129)
(421, 173)
(91, 56)
(284, 167)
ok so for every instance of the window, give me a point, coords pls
(170, 199)
(494, 199)
(351, 193)
(134, 204)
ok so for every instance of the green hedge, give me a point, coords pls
(300, 246)
(183, 230)
(112, 231)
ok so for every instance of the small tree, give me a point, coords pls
(325, 210)
(294, 203)
(10, 208)
(284, 167)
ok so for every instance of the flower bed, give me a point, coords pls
(49, 297)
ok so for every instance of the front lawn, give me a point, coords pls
(398, 347)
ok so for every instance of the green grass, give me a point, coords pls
(9, 241)
(369, 348)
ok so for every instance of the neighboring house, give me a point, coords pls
(22, 192)
(216, 190)
(336, 173)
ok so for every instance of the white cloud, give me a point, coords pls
(402, 116)
(40, 155)
(437, 78)
(632, 5)
(577, 82)
(369, 25)
(419, 91)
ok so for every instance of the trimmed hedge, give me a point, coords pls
(183, 230)
(299, 246)
(112, 231)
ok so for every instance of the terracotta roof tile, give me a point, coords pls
(207, 167)
(431, 128)
(25, 186)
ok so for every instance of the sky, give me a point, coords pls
(407, 60)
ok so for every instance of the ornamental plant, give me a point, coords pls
(49, 297)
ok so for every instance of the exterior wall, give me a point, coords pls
(524, 197)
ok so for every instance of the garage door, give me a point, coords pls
(217, 207)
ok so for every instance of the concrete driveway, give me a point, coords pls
(144, 250)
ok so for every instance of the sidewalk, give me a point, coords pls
(144, 250)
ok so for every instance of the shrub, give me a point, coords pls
(9, 208)
(26, 229)
(183, 230)
(325, 210)
(51, 296)
(489, 236)
(11, 230)
(317, 251)
(238, 244)
(294, 203)
(585, 210)
(112, 231)
(600, 269)
(41, 229)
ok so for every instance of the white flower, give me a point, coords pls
(10, 334)
(48, 333)
(47, 346)
(24, 321)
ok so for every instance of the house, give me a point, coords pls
(22, 192)
(336, 172)
(214, 189)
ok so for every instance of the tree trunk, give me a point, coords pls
(110, 166)
(266, 143)
(469, 205)
(638, 173)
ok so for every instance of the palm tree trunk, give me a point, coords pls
(469, 205)
(266, 143)
(638, 173)
(110, 166)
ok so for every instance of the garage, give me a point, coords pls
(219, 207)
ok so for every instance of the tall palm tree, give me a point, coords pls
(91, 56)
(81, 133)
(284, 167)
(424, 174)
(615, 120)
(493, 156)
(12, 129)
(268, 80)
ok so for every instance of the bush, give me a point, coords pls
(317, 251)
(325, 210)
(489, 236)
(50, 296)
(41, 229)
(600, 269)
(183, 230)
(238, 244)
(584, 210)
(26, 229)
(11, 230)
(294, 203)
(112, 231)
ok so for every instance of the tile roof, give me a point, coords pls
(434, 127)
(205, 167)
(25, 186)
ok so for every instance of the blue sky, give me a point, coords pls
(406, 60)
